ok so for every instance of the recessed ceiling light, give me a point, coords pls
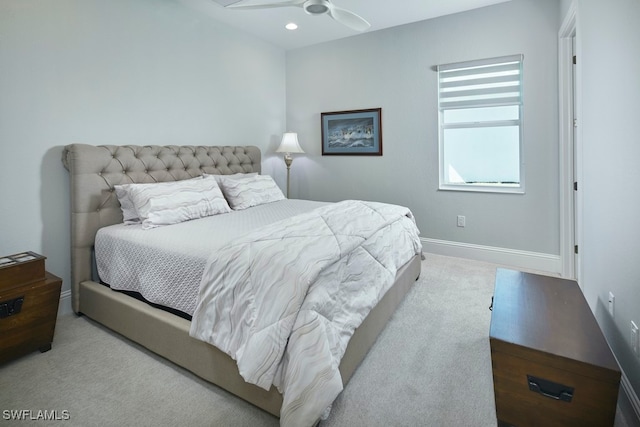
(291, 26)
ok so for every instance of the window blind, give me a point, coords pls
(483, 83)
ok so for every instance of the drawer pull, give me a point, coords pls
(11, 307)
(550, 389)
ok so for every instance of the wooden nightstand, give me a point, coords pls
(29, 298)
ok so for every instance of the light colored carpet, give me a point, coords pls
(430, 367)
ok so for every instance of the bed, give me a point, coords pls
(94, 171)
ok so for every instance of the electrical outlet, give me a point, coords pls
(634, 339)
(461, 220)
(612, 301)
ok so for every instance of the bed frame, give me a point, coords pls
(94, 170)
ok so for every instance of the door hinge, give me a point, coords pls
(574, 59)
(575, 249)
(575, 123)
(575, 186)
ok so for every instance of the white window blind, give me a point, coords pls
(480, 106)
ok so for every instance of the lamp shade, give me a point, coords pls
(289, 144)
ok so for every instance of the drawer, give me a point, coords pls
(33, 327)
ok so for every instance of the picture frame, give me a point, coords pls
(352, 133)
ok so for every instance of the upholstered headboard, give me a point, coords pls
(94, 170)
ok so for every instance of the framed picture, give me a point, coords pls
(355, 132)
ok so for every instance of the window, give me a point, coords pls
(480, 109)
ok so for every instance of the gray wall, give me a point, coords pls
(564, 7)
(118, 72)
(608, 111)
(392, 69)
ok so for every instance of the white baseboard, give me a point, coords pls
(64, 306)
(632, 398)
(544, 263)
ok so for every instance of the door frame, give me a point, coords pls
(569, 161)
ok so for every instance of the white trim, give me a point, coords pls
(630, 394)
(568, 26)
(453, 100)
(64, 306)
(480, 62)
(544, 263)
(566, 126)
(484, 188)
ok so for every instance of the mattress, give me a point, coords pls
(164, 265)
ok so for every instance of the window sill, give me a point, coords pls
(483, 188)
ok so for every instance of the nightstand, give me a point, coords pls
(29, 297)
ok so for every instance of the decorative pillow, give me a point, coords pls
(253, 191)
(167, 203)
(129, 213)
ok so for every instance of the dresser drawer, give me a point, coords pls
(32, 327)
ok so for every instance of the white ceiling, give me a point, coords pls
(268, 24)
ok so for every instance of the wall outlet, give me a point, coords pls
(461, 220)
(612, 301)
(634, 339)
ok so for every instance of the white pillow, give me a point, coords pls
(167, 203)
(252, 191)
(129, 213)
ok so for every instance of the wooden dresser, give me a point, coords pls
(29, 298)
(551, 363)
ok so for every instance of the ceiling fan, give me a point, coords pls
(312, 7)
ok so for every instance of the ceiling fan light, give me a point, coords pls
(316, 7)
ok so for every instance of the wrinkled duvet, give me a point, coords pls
(285, 300)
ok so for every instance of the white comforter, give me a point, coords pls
(284, 301)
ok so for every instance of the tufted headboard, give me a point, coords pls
(94, 170)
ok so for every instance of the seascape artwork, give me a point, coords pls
(351, 133)
(355, 132)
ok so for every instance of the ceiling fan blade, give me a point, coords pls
(348, 18)
(254, 5)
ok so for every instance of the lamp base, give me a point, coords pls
(287, 161)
